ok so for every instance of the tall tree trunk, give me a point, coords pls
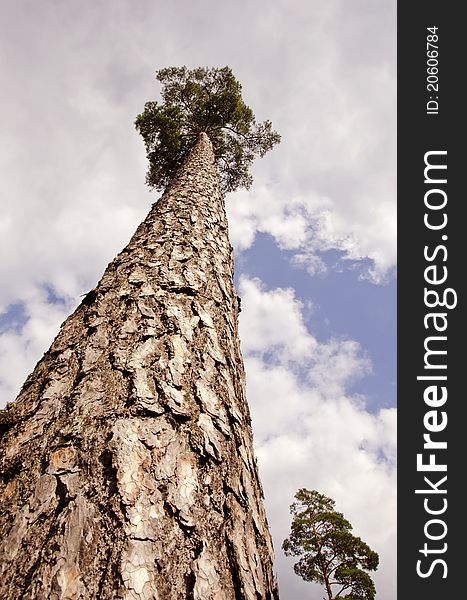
(128, 469)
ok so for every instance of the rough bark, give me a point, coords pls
(127, 461)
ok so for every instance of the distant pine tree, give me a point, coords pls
(127, 458)
(329, 553)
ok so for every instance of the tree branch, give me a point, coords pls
(186, 105)
(342, 588)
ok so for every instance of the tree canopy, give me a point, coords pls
(202, 100)
(329, 553)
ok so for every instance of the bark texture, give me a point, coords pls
(127, 461)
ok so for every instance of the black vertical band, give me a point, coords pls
(431, 304)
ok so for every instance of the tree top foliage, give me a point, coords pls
(329, 553)
(202, 100)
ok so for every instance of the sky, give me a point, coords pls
(314, 237)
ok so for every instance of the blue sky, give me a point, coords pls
(343, 305)
(314, 238)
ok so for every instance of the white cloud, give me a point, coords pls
(330, 184)
(365, 229)
(337, 364)
(273, 322)
(20, 348)
(311, 432)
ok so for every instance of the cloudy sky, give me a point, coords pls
(314, 238)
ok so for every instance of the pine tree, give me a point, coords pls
(127, 462)
(329, 553)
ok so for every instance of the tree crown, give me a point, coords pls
(329, 553)
(202, 100)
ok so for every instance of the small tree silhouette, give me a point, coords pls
(329, 553)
